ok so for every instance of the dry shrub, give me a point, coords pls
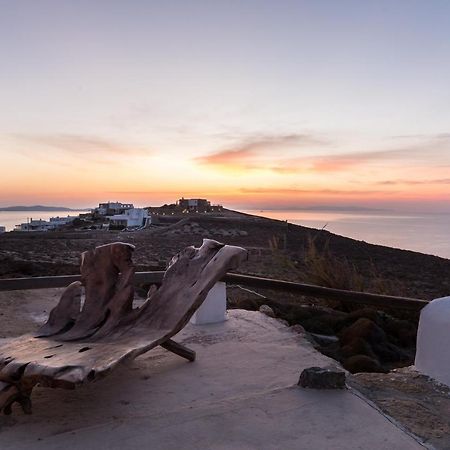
(320, 266)
(325, 269)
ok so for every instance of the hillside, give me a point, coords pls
(277, 249)
(37, 208)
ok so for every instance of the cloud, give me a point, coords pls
(342, 161)
(295, 191)
(426, 151)
(237, 157)
(85, 146)
(414, 182)
(255, 158)
(280, 154)
(436, 136)
(261, 153)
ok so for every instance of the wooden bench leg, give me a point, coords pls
(179, 349)
(10, 394)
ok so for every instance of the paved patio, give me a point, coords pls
(241, 393)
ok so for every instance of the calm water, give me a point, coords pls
(10, 219)
(422, 233)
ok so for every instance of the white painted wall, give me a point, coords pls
(135, 217)
(214, 308)
(433, 341)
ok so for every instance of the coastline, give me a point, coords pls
(423, 233)
(406, 273)
(10, 219)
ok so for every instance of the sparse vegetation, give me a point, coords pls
(325, 269)
(277, 250)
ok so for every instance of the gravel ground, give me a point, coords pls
(419, 404)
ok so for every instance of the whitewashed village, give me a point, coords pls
(119, 216)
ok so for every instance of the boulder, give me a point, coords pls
(297, 329)
(322, 378)
(365, 329)
(357, 347)
(362, 363)
(267, 310)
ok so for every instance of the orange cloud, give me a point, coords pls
(276, 154)
(261, 153)
(415, 182)
(239, 158)
(295, 191)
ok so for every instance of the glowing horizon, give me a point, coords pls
(250, 106)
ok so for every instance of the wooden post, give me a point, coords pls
(179, 349)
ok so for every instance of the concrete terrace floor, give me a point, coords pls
(240, 393)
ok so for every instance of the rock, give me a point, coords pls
(298, 329)
(322, 378)
(357, 347)
(315, 319)
(402, 332)
(365, 329)
(248, 304)
(363, 313)
(366, 338)
(267, 310)
(362, 363)
(284, 322)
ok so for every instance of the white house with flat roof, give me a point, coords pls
(45, 225)
(112, 208)
(131, 218)
(59, 221)
(35, 225)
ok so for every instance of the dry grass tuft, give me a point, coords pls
(325, 269)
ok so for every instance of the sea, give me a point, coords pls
(10, 219)
(424, 233)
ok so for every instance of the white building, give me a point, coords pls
(112, 208)
(194, 203)
(58, 221)
(135, 217)
(35, 225)
(44, 225)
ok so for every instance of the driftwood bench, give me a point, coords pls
(94, 327)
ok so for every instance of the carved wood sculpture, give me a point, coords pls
(83, 341)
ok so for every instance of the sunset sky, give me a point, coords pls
(253, 104)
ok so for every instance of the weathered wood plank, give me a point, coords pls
(18, 284)
(312, 290)
(364, 298)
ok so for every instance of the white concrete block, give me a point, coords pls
(214, 308)
(433, 341)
